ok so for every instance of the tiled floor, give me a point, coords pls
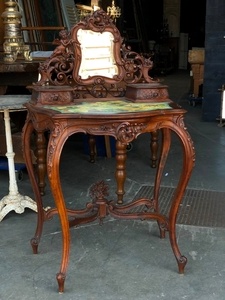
(122, 259)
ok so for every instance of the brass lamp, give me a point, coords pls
(13, 41)
(114, 11)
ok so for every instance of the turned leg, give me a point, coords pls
(154, 148)
(41, 160)
(91, 142)
(121, 155)
(26, 140)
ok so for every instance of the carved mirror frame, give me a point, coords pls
(97, 49)
(64, 73)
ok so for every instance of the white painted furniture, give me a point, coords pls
(14, 200)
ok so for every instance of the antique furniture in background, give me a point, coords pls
(18, 74)
(196, 59)
(94, 84)
(14, 77)
(14, 200)
(13, 40)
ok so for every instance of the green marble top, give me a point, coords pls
(108, 107)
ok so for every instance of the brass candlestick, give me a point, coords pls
(13, 41)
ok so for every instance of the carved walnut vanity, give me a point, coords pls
(95, 85)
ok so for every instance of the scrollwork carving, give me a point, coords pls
(62, 67)
(57, 70)
(127, 132)
(136, 66)
(180, 122)
(99, 19)
(56, 133)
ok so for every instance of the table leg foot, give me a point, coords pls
(34, 243)
(61, 279)
(181, 261)
(163, 227)
(17, 202)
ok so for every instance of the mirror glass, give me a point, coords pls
(97, 57)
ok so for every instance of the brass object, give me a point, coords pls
(83, 10)
(114, 11)
(13, 41)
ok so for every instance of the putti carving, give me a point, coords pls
(127, 132)
(57, 70)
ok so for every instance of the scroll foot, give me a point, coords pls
(34, 243)
(182, 261)
(61, 279)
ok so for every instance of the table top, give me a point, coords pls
(110, 109)
(13, 102)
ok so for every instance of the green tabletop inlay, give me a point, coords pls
(108, 107)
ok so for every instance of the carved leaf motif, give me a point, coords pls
(58, 128)
(99, 190)
(127, 132)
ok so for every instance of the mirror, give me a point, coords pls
(97, 54)
(97, 45)
(93, 60)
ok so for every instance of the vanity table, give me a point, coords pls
(125, 126)
(73, 95)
